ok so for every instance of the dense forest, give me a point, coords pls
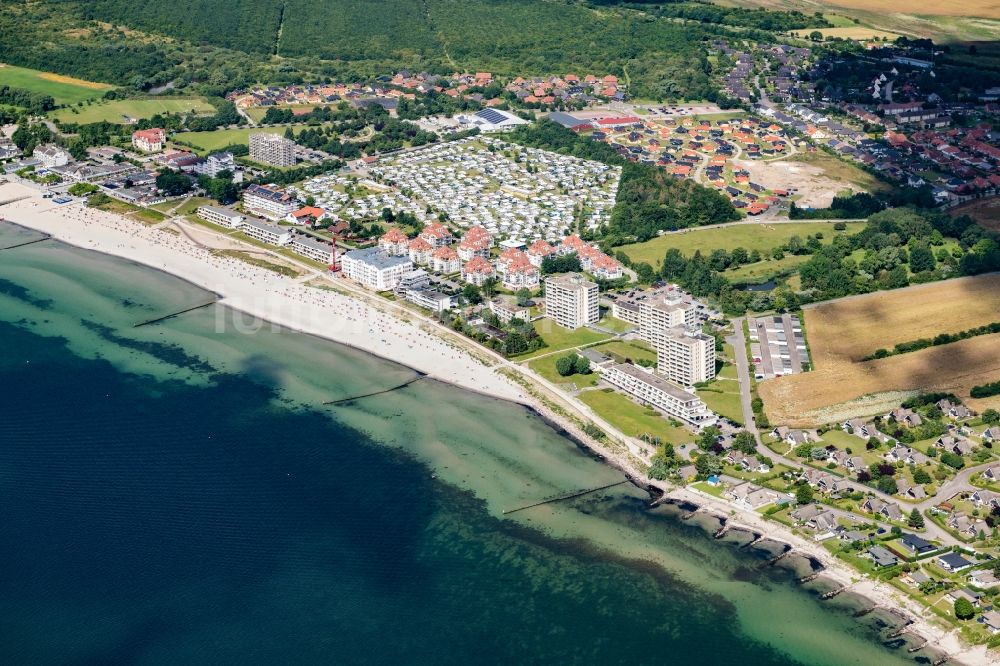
(649, 199)
(219, 45)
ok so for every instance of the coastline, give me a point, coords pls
(289, 303)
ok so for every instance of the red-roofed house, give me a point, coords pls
(307, 215)
(538, 251)
(521, 274)
(606, 268)
(420, 251)
(445, 260)
(474, 245)
(477, 270)
(395, 243)
(437, 234)
(571, 243)
(149, 140)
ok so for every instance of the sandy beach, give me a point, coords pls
(261, 293)
(289, 302)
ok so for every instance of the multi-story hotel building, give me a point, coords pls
(269, 202)
(374, 268)
(316, 249)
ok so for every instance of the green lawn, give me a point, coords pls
(762, 271)
(842, 440)
(723, 397)
(64, 89)
(206, 142)
(559, 338)
(546, 367)
(636, 350)
(633, 419)
(762, 236)
(616, 325)
(705, 487)
(120, 110)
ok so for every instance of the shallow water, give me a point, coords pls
(177, 493)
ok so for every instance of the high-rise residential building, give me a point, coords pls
(571, 300)
(659, 315)
(686, 356)
(272, 149)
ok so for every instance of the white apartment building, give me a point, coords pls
(265, 232)
(314, 248)
(660, 394)
(506, 310)
(269, 202)
(571, 300)
(226, 217)
(375, 269)
(216, 163)
(272, 149)
(51, 155)
(658, 316)
(686, 356)
(430, 299)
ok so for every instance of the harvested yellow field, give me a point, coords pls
(59, 78)
(843, 332)
(857, 32)
(986, 212)
(984, 8)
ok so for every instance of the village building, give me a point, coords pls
(149, 140)
(477, 271)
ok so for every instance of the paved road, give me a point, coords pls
(933, 531)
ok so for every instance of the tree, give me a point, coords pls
(708, 464)
(582, 365)
(173, 183)
(964, 609)
(887, 484)
(916, 521)
(708, 437)
(744, 442)
(472, 294)
(804, 494)
(566, 365)
(816, 36)
(523, 297)
(991, 416)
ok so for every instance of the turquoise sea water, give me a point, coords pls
(177, 493)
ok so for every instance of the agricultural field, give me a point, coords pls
(843, 332)
(63, 89)
(750, 236)
(941, 20)
(986, 212)
(207, 142)
(855, 32)
(126, 110)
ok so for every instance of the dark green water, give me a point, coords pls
(175, 494)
